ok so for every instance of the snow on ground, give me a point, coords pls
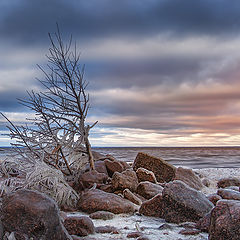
(214, 174)
(130, 223)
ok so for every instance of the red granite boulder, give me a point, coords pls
(145, 175)
(96, 200)
(229, 194)
(88, 179)
(225, 221)
(126, 179)
(189, 177)
(131, 197)
(101, 167)
(163, 171)
(32, 214)
(107, 229)
(204, 223)
(106, 188)
(226, 182)
(113, 166)
(153, 207)
(134, 234)
(79, 225)
(148, 190)
(184, 204)
(104, 215)
(214, 198)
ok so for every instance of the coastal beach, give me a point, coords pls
(152, 227)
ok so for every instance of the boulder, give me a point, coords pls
(88, 179)
(125, 165)
(32, 214)
(96, 200)
(148, 189)
(126, 179)
(104, 215)
(228, 194)
(101, 167)
(113, 166)
(134, 234)
(163, 171)
(145, 175)
(106, 188)
(182, 203)
(204, 223)
(214, 198)
(189, 177)
(131, 197)
(189, 231)
(79, 225)
(107, 229)
(225, 221)
(153, 207)
(226, 182)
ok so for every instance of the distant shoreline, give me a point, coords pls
(4, 147)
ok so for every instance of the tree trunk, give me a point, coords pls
(90, 155)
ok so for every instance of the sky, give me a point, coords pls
(160, 72)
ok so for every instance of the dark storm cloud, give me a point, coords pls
(143, 72)
(29, 21)
(9, 102)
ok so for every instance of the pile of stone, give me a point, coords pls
(151, 187)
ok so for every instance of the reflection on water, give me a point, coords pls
(193, 157)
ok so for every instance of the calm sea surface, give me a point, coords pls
(193, 157)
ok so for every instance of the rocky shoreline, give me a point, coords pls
(151, 199)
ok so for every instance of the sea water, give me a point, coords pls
(191, 157)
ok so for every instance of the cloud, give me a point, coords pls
(26, 21)
(164, 69)
(205, 108)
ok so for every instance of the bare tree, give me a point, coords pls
(59, 128)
